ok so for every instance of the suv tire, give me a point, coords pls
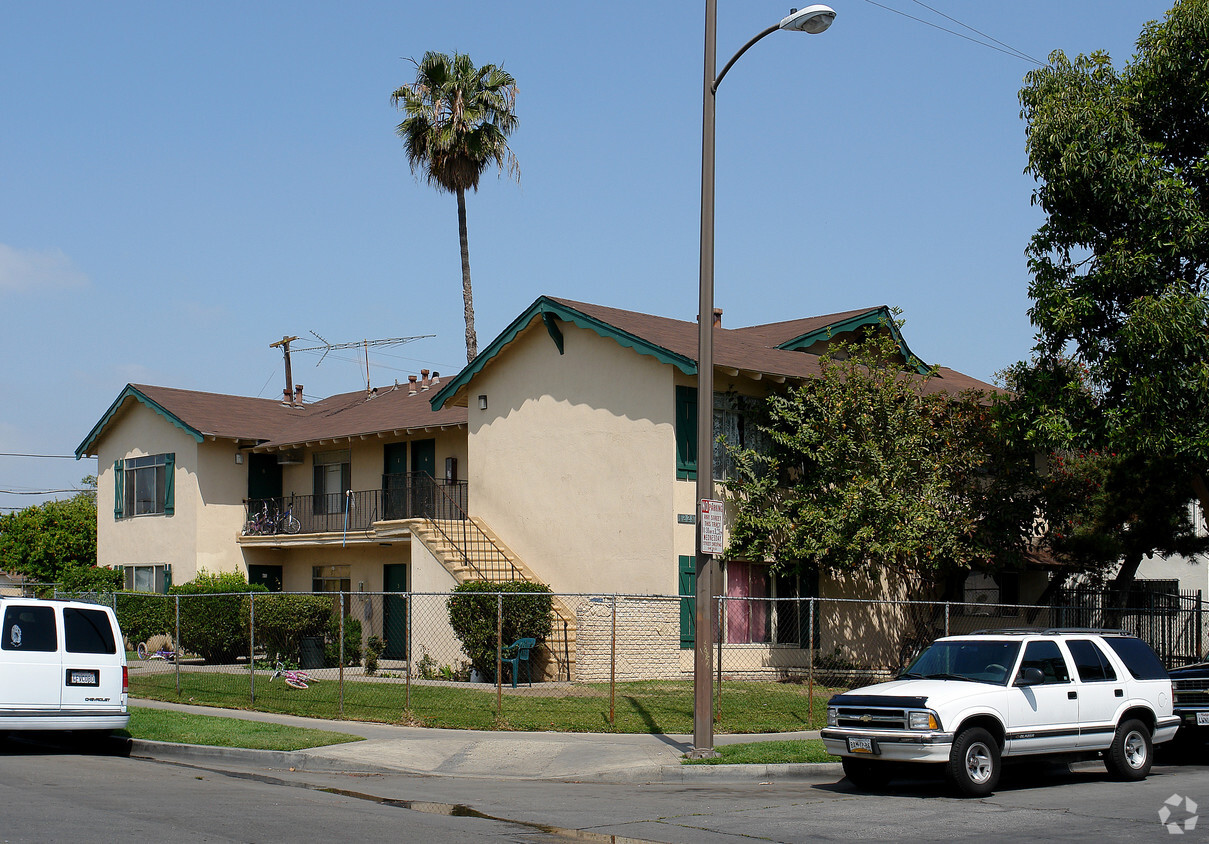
(1131, 753)
(866, 774)
(974, 765)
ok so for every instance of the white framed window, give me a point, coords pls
(148, 578)
(143, 486)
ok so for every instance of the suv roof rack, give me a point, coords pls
(1049, 631)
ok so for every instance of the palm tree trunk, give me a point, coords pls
(472, 341)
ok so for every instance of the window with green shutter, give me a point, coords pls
(686, 432)
(688, 601)
(145, 486)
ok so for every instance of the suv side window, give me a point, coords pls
(88, 632)
(1090, 662)
(1141, 661)
(29, 629)
(1046, 657)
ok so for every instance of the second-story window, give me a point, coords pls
(333, 477)
(143, 486)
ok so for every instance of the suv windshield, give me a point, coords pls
(979, 662)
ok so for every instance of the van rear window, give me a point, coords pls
(88, 632)
(29, 629)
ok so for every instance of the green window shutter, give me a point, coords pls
(686, 432)
(688, 601)
(169, 484)
(119, 486)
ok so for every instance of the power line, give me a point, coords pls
(1020, 53)
(46, 456)
(1009, 51)
(38, 491)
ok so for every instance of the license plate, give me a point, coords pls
(861, 745)
(77, 677)
(1202, 719)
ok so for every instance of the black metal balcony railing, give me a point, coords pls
(414, 495)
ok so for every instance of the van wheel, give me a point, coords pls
(866, 774)
(974, 763)
(1131, 753)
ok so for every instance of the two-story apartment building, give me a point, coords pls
(565, 452)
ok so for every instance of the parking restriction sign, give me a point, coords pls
(709, 516)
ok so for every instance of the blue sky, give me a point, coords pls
(183, 184)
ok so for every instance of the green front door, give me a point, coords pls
(267, 576)
(394, 611)
(423, 473)
(394, 481)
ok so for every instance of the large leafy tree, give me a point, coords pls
(50, 541)
(870, 467)
(1118, 268)
(457, 121)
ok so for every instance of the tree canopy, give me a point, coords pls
(1121, 366)
(869, 466)
(46, 542)
(457, 121)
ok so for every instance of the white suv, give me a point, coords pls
(968, 702)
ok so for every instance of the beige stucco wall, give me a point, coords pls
(573, 462)
(190, 538)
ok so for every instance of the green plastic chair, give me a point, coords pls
(520, 653)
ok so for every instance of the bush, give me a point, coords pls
(373, 651)
(142, 615)
(214, 625)
(352, 642)
(282, 621)
(472, 614)
(81, 578)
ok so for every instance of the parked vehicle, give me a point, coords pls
(1191, 688)
(969, 702)
(62, 666)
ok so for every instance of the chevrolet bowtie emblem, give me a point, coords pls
(866, 718)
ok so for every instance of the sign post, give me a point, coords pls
(709, 512)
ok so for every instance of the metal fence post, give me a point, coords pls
(721, 635)
(407, 652)
(252, 646)
(613, 668)
(341, 675)
(810, 664)
(179, 650)
(499, 656)
(946, 618)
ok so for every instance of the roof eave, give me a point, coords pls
(86, 448)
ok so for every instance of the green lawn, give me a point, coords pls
(640, 707)
(186, 728)
(768, 753)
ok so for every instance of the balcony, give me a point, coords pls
(414, 495)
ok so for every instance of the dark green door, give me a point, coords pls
(423, 471)
(267, 576)
(394, 481)
(264, 476)
(394, 611)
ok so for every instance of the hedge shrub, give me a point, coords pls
(214, 625)
(142, 615)
(527, 613)
(282, 621)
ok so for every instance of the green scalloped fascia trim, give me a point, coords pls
(548, 308)
(130, 391)
(874, 317)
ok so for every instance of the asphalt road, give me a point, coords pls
(48, 795)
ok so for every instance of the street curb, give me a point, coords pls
(294, 760)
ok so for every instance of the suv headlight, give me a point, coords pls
(832, 716)
(922, 721)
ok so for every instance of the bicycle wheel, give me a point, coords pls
(292, 525)
(142, 650)
(294, 682)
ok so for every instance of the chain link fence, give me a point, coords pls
(596, 662)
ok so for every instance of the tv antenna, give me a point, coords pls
(326, 347)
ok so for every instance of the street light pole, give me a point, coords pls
(813, 19)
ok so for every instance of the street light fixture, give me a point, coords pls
(813, 19)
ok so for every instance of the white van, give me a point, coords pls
(62, 666)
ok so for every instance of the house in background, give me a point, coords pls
(564, 453)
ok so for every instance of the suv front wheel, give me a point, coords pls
(974, 763)
(1131, 753)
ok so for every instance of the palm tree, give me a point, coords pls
(458, 119)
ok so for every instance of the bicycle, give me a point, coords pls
(262, 524)
(164, 654)
(287, 522)
(293, 678)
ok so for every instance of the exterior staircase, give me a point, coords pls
(469, 550)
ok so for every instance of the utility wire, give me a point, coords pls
(1010, 51)
(1020, 53)
(48, 456)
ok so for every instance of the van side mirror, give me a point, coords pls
(1030, 677)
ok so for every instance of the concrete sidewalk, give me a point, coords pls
(588, 757)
